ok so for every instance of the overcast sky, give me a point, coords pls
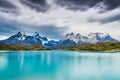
(56, 18)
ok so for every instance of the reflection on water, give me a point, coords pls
(3, 62)
(59, 65)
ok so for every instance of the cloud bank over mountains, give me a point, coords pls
(55, 18)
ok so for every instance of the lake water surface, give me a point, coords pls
(59, 65)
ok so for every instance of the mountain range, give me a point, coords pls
(70, 40)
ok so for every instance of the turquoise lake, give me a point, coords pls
(59, 65)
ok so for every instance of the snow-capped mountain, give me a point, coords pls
(77, 38)
(73, 39)
(100, 38)
(23, 39)
(92, 38)
(70, 40)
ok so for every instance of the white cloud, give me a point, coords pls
(76, 21)
(3, 37)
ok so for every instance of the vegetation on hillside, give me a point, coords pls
(109, 46)
(21, 47)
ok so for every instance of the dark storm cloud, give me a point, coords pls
(8, 28)
(42, 2)
(7, 7)
(112, 4)
(6, 4)
(78, 4)
(38, 5)
(84, 4)
(52, 31)
(41, 5)
(106, 20)
(103, 5)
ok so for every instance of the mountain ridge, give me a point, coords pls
(70, 40)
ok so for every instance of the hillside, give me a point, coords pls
(20, 47)
(108, 47)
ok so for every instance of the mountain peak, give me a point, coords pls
(71, 33)
(36, 34)
(68, 36)
(74, 37)
(20, 33)
(78, 35)
(19, 36)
